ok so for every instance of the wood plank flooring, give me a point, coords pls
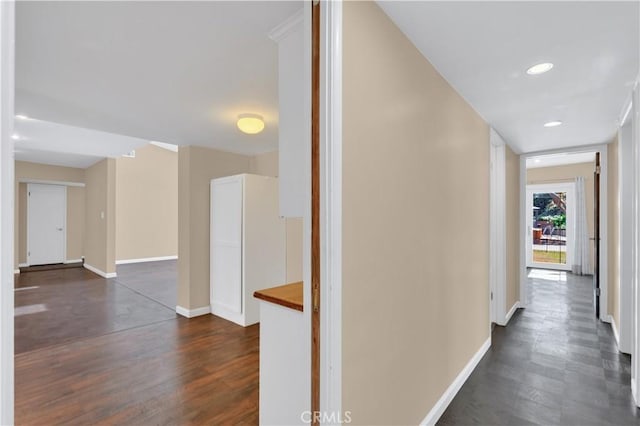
(101, 353)
(554, 364)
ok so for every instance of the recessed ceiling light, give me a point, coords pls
(21, 117)
(540, 68)
(250, 123)
(552, 123)
(15, 137)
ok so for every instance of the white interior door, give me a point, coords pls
(46, 224)
(226, 244)
(545, 251)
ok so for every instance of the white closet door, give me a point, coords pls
(226, 243)
(46, 223)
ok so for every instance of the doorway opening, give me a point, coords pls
(551, 211)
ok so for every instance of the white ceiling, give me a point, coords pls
(551, 160)
(484, 48)
(61, 145)
(174, 72)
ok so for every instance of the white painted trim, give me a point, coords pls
(279, 32)
(570, 189)
(100, 272)
(509, 314)
(524, 298)
(331, 206)
(452, 390)
(73, 261)
(23, 265)
(190, 313)
(168, 146)
(16, 271)
(626, 111)
(145, 259)
(607, 318)
(604, 234)
(7, 201)
(627, 257)
(497, 228)
(51, 182)
(635, 315)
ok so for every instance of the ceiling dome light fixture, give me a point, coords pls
(250, 123)
(540, 68)
(552, 123)
(21, 117)
(15, 137)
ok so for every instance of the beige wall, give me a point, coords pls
(100, 215)
(147, 204)
(512, 176)
(267, 165)
(415, 225)
(196, 167)
(75, 206)
(613, 217)
(545, 175)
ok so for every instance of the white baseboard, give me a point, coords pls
(512, 311)
(99, 272)
(190, 313)
(606, 318)
(145, 259)
(23, 265)
(16, 271)
(452, 390)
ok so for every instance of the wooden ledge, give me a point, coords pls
(288, 295)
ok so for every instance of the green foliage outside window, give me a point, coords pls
(559, 220)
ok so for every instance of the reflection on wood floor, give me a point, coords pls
(91, 350)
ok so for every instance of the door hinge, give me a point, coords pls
(491, 295)
(597, 292)
(598, 169)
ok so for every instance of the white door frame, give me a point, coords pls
(569, 189)
(626, 228)
(635, 315)
(30, 187)
(604, 254)
(7, 237)
(331, 207)
(497, 230)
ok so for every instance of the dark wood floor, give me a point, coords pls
(94, 351)
(554, 364)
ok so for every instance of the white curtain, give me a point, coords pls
(582, 255)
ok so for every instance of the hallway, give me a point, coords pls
(554, 364)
